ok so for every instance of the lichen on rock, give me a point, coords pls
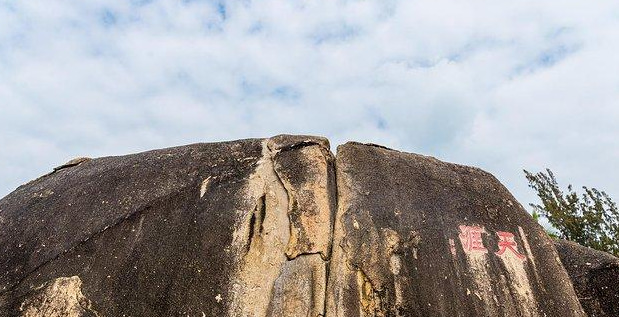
(61, 297)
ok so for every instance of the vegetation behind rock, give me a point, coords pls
(589, 218)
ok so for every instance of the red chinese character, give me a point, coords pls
(507, 242)
(470, 237)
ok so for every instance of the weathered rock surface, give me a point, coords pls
(261, 227)
(203, 229)
(415, 236)
(595, 276)
(60, 297)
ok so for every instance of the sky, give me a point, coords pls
(501, 85)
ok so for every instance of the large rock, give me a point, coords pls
(595, 276)
(207, 229)
(260, 227)
(415, 236)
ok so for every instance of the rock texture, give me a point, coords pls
(201, 230)
(595, 276)
(60, 297)
(274, 227)
(415, 236)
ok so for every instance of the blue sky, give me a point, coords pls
(502, 85)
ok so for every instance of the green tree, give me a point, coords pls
(590, 218)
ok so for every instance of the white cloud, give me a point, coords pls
(496, 84)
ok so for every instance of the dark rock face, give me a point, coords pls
(188, 231)
(595, 276)
(261, 227)
(415, 236)
(143, 232)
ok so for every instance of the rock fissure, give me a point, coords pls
(296, 146)
(72, 163)
(289, 232)
(256, 222)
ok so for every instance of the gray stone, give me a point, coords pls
(595, 276)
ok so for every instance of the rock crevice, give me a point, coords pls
(289, 232)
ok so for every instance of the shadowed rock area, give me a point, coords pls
(274, 227)
(595, 276)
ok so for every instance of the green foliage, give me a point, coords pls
(591, 218)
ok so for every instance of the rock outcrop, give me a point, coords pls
(415, 236)
(274, 227)
(595, 276)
